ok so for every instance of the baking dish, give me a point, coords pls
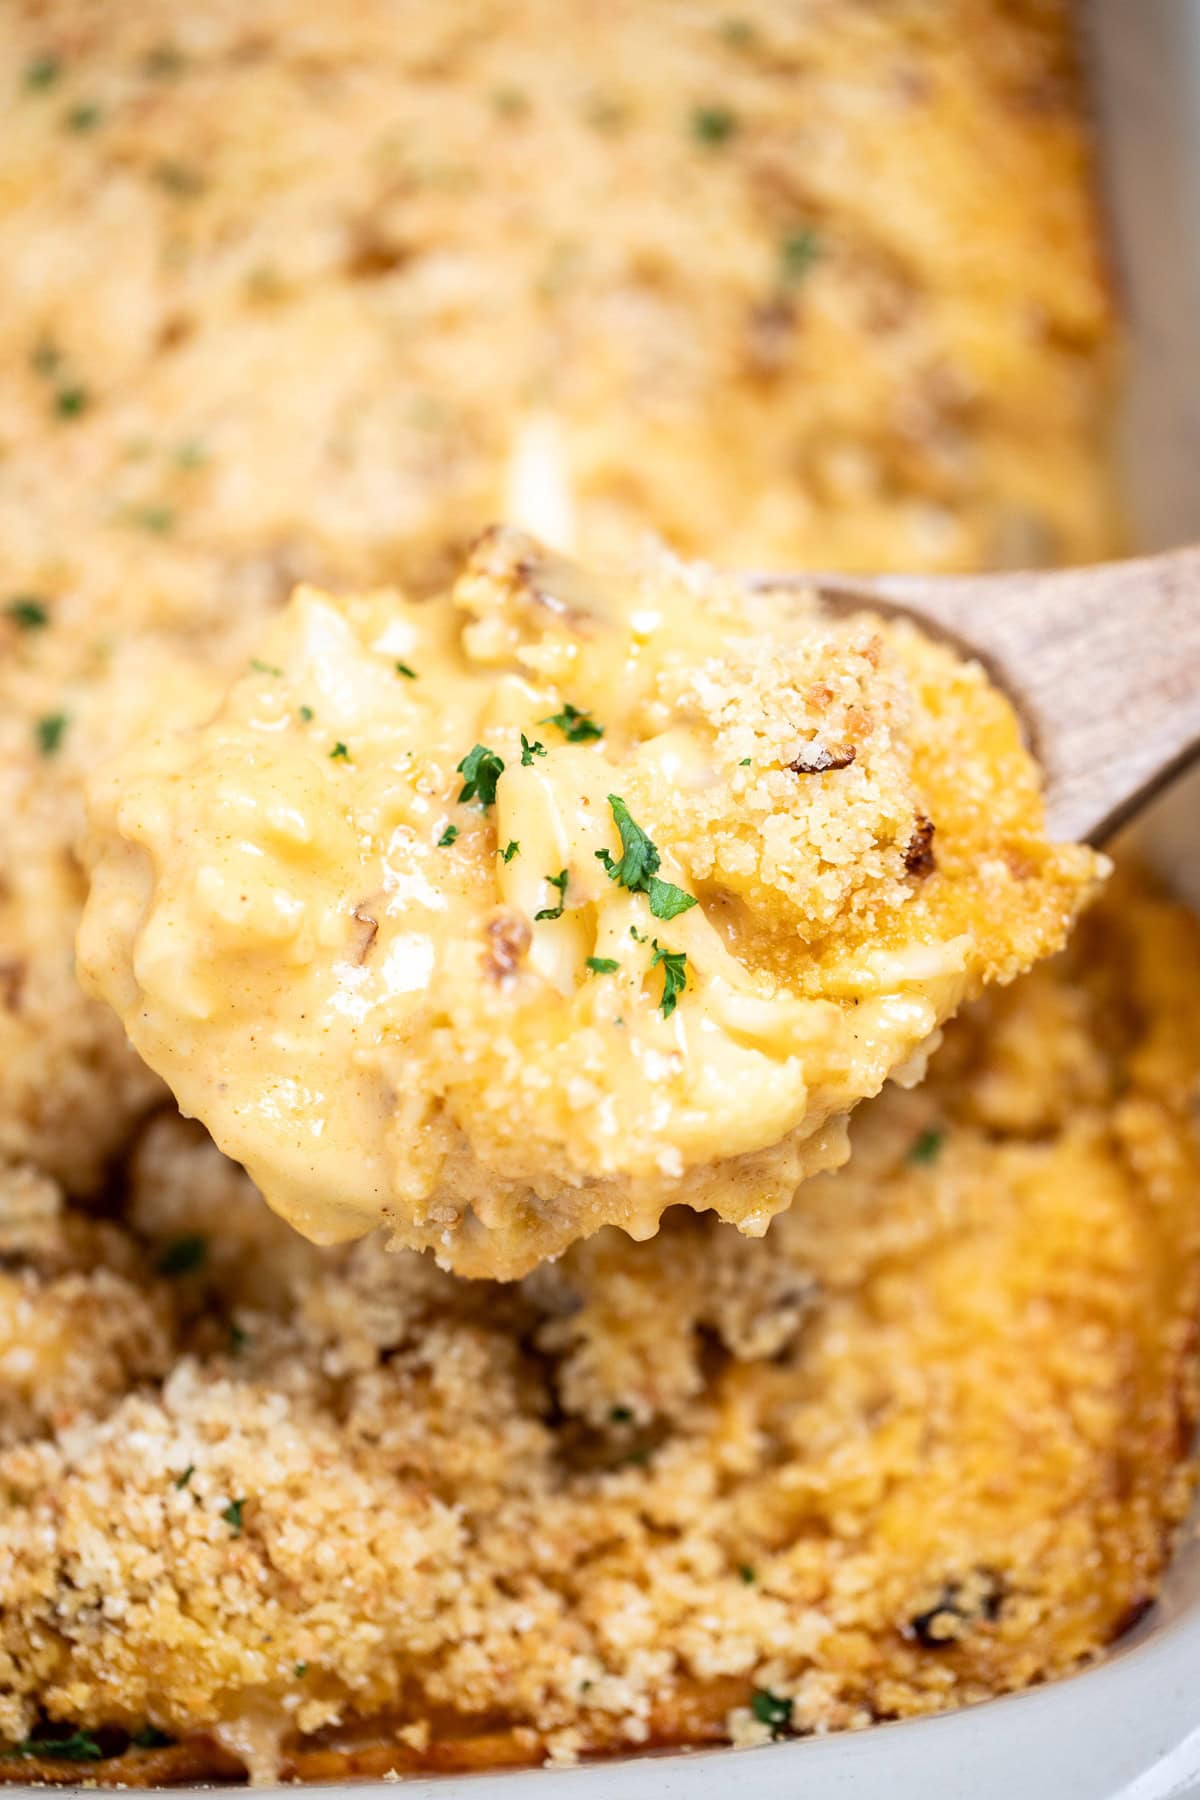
(877, 1758)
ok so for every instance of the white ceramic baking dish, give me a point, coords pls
(1129, 1728)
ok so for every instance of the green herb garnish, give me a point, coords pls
(674, 967)
(69, 402)
(339, 753)
(481, 769)
(84, 117)
(151, 1738)
(408, 674)
(301, 1669)
(926, 1148)
(447, 838)
(81, 1746)
(49, 732)
(748, 1575)
(42, 72)
(181, 1481)
(238, 1339)
(558, 881)
(182, 1257)
(264, 668)
(770, 1709)
(621, 1415)
(529, 751)
(603, 965)
(638, 865)
(745, 763)
(307, 714)
(713, 124)
(511, 849)
(28, 612)
(576, 726)
(797, 254)
(232, 1516)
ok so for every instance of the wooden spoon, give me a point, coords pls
(1103, 664)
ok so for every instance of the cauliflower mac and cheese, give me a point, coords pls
(564, 898)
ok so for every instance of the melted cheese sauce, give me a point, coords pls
(395, 1004)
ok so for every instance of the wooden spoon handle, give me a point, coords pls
(1103, 664)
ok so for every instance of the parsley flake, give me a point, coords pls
(748, 1575)
(151, 1738)
(797, 254)
(232, 1516)
(42, 72)
(481, 769)
(621, 1415)
(529, 751)
(713, 124)
(603, 965)
(770, 1709)
(182, 1257)
(408, 674)
(264, 668)
(28, 612)
(511, 849)
(69, 402)
(447, 838)
(84, 117)
(674, 968)
(181, 1481)
(576, 726)
(301, 1670)
(638, 866)
(558, 881)
(81, 1746)
(238, 1339)
(339, 753)
(927, 1147)
(307, 714)
(745, 763)
(50, 731)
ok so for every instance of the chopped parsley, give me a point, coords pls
(745, 763)
(182, 1257)
(638, 866)
(238, 1339)
(511, 849)
(69, 402)
(179, 179)
(558, 881)
(28, 612)
(576, 726)
(748, 1575)
(674, 968)
(529, 751)
(408, 674)
(713, 124)
(481, 769)
(151, 1738)
(301, 1669)
(927, 1147)
(621, 1415)
(264, 668)
(42, 72)
(81, 1746)
(159, 519)
(307, 714)
(181, 1481)
(339, 753)
(84, 117)
(447, 838)
(770, 1709)
(50, 731)
(603, 965)
(797, 254)
(232, 1516)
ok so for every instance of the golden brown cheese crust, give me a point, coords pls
(921, 1446)
(283, 293)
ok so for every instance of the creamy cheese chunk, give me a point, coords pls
(563, 898)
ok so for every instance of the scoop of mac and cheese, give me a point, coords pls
(563, 898)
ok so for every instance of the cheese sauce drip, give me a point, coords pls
(563, 898)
